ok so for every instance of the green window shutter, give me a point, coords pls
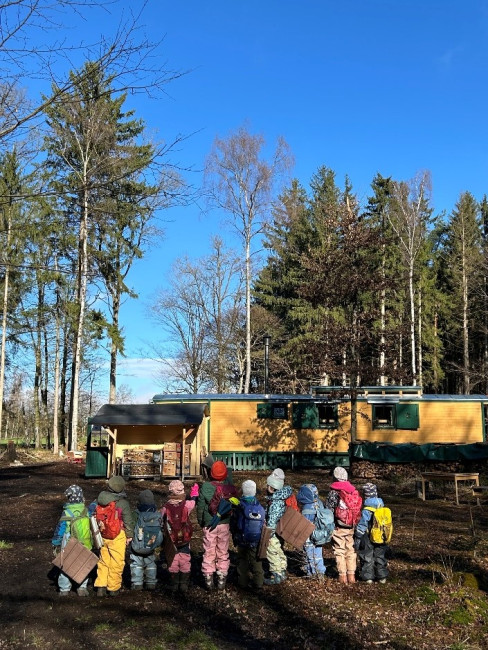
(265, 410)
(407, 416)
(305, 416)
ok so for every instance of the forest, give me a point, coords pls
(353, 292)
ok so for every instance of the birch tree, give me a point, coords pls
(241, 181)
(409, 220)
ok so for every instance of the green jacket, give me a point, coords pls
(74, 521)
(206, 493)
(106, 496)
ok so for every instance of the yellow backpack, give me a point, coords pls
(381, 528)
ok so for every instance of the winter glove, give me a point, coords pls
(195, 491)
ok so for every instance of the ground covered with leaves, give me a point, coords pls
(435, 598)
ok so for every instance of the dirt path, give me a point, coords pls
(436, 597)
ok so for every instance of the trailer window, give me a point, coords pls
(384, 416)
(328, 416)
(273, 411)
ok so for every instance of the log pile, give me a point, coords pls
(364, 469)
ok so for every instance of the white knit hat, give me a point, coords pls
(340, 474)
(249, 489)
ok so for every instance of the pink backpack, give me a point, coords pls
(348, 509)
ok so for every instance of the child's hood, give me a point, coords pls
(105, 497)
(342, 485)
(308, 493)
(146, 507)
(373, 502)
(283, 493)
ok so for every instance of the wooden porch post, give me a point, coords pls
(182, 455)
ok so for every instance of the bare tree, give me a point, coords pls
(201, 311)
(241, 181)
(409, 219)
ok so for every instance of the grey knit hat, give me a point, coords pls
(146, 498)
(340, 474)
(279, 474)
(116, 484)
(275, 482)
(249, 489)
(370, 491)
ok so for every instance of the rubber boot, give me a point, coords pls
(274, 579)
(221, 580)
(209, 581)
(343, 578)
(351, 577)
(174, 580)
(101, 592)
(184, 581)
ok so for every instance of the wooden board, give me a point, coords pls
(76, 561)
(294, 528)
(169, 548)
(266, 535)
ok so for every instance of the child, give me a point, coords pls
(112, 554)
(372, 556)
(147, 537)
(278, 493)
(215, 540)
(346, 517)
(176, 513)
(246, 524)
(308, 499)
(74, 522)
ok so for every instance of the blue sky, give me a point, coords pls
(360, 86)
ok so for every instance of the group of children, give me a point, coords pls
(344, 519)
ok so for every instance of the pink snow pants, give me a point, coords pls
(216, 550)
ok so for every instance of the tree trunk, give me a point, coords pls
(412, 323)
(466, 382)
(247, 380)
(419, 342)
(113, 348)
(78, 340)
(4, 322)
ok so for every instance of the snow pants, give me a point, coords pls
(249, 565)
(143, 569)
(111, 563)
(372, 558)
(276, 556)
(314, 560)
(216, 550)
(343, 547)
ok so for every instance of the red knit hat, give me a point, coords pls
(218, 471)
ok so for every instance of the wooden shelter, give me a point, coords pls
(145, 440)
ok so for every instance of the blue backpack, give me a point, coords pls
(147, 533)
(250, 521)
(323, 522)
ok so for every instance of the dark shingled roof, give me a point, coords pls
(153, 414)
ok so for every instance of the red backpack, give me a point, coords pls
(348, 509)
(109, 520)
(222, 491)
(179, 527)
(291, 502)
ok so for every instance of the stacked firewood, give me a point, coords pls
(141, 462)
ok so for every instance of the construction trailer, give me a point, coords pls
(302, 431)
